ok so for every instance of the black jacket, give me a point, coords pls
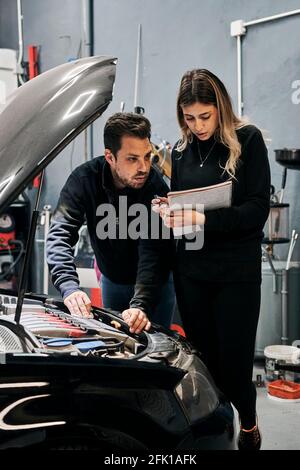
(232, 236)
(123, 261)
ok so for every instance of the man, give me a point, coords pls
(96, 191)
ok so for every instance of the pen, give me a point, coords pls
(156, 196)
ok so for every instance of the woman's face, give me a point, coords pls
(201, 119)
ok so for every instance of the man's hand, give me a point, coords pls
(159, 204)
(136, 319)
(79, 304)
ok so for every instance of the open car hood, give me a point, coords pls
(45, 114)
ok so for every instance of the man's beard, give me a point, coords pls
(132, 182)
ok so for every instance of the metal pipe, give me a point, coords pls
(87, 28)
(39, 192)
(284, 307)
(239, 51)
(28, 252)
(268, 256)
(239, 75)
(291, 248)
(21, 41)
(272, 18)
(137, 67)
(47, 212)
(87, 7)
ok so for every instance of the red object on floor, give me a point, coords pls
(178, 328)
(284, 389)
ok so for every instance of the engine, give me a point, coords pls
(47, 329)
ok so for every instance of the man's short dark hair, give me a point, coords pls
(125, 124)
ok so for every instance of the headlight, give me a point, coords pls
(197, 391)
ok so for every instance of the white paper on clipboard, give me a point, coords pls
(211, 197)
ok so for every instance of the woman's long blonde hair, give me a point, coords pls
(202, 86)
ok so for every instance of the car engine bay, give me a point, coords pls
(44, 328)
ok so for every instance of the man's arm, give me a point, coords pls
(155, 259)
(62, 237)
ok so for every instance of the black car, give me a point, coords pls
(73, 383)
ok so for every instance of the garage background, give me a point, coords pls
(175, 36)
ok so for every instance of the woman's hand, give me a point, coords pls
(181, 218)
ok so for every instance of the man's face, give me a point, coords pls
(131, 166)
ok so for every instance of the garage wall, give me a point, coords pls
(176, 35)
(180, 35)
(8, 24)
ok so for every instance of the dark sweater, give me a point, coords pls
(123, 261)
(232, 236)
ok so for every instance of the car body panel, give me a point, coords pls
(46, 114)
(55, 396)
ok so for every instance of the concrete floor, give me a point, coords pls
(279, 421)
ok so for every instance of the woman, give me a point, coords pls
(218, 286)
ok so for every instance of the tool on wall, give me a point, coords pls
(161, 157)
(33, 64)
